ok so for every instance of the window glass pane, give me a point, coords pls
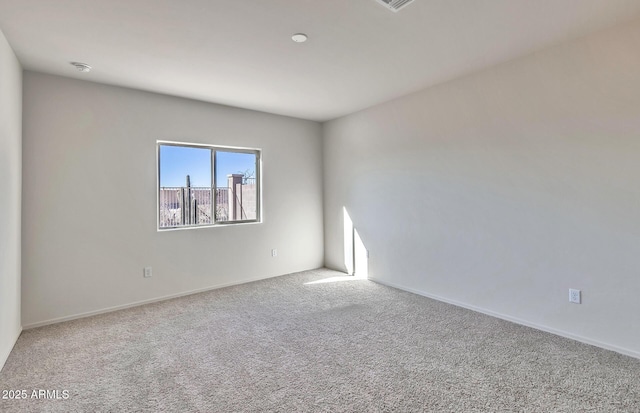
(237, 188)
(185, 186)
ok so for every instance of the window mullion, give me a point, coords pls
(214, 189)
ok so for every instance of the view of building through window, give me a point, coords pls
(193, 178)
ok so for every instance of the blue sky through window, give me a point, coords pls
(228, 163)
(176, 162)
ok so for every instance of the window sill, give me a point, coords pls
(218, 225)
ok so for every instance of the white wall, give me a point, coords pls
(89, 198)
(501, 190)
(10, 197)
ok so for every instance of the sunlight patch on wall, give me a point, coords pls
(360, 256)
(356, 256)
(348, 242)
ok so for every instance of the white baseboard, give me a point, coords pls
(5, 354)
(142, 302)
(607, 346)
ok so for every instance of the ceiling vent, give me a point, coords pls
(395, 5)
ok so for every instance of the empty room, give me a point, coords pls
(320, 206)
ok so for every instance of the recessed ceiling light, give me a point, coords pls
(299, 37)
(82, 67)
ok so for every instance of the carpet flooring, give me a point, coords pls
(315, 341)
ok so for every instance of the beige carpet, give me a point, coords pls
(293, 344)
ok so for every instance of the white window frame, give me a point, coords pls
(214, 150)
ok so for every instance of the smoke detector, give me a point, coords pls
(82, 67)
(395, 5)
(299, 37)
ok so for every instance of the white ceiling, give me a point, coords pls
(240, 52)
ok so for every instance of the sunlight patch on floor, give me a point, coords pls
(338, 279)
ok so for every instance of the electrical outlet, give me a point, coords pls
(147, 272)
(575, 296)
(274, 252)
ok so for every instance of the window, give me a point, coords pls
(203, 185)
